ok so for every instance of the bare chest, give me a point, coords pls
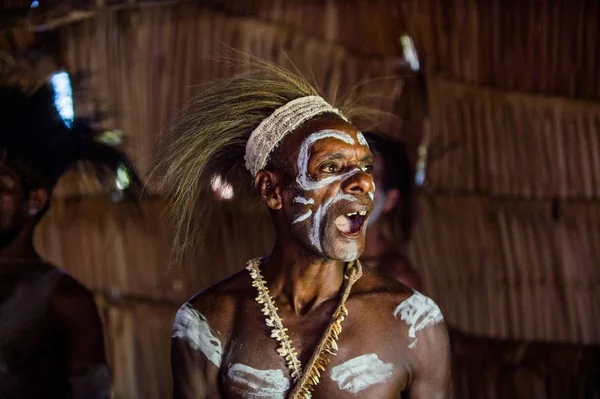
(24, 320)
(368, 363)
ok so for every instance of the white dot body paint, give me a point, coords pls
(252, 383)
(302, 217)
(419, 312)
(304, 201)
(361, 373)
(191, 326)
(362, 140)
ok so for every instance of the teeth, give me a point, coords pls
(361, 213)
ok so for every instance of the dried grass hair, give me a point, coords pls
(209, 138)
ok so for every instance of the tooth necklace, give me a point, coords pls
(305, 382)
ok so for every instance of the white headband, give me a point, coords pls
(284, 120)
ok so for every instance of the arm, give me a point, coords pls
(75, 311)
(196, 354)
(431, 373)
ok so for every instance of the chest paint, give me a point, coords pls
(361, 373)
(253, 383)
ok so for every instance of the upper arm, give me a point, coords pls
(196, 355)
(429, 346)
(431, 374)
(74, 309)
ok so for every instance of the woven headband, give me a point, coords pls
(286, 119)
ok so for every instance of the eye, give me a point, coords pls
(368, 169)
(330, 168)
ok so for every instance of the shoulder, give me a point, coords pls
(206, 321)
(407, 310)
(68, 291)
(72, 304)
(218, 303)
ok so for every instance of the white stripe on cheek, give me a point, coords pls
(361, 373)
(252, 383)
(419, 312)
(315, 233)
(191, 326)
(302, 218)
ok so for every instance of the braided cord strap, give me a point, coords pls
(306, 381)
(283, 121)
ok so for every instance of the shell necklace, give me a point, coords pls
(307, 381)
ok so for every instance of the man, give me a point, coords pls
(305, 321)
(51, 339)
(390, 223)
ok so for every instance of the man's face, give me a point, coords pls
(330, 193)
(11, 206)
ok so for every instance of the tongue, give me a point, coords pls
(344, 224)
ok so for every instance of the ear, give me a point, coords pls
(266, 185)
(38, 199)
(392, 197)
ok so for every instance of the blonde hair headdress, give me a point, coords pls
(232, 127)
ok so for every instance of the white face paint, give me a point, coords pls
(192, 327)
(303, 217)
(307, 184)
(362, 140)
(351, 250)
(378, 205)
(372, 193)
(251, 383)
(304, 201)
(303, 179)
(361, 373)
(419, 312)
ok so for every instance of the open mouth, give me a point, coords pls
(351, 223)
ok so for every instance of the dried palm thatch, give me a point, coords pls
(514, 145)
(548, 48)
(149, 62)
(512, 268)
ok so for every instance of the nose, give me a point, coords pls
(359, 183)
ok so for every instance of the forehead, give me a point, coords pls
(337, 136)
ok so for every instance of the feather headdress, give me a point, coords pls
(37, 144)
(210, 138)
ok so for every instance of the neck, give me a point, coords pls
(302, 278)
(19, 249)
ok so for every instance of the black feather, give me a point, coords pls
(35, 138)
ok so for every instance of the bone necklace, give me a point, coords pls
(307, 381)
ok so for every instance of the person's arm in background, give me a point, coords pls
(74, 309)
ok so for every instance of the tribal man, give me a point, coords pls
(51, 339)
(305, 321)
